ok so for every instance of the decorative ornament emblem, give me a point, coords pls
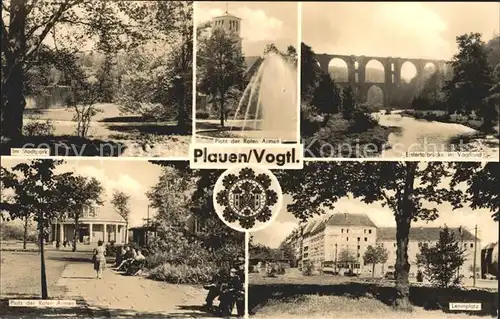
(246, 198)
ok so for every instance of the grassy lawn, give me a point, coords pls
(316, 306)
(293, 295)
(21, 275)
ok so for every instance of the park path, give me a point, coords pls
(131, 295)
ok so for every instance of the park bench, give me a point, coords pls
(136, 267)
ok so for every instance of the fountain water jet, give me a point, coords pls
(270, 100)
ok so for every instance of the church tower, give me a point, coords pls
(230, 24)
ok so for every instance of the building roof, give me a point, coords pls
(308, 227)
(348, 219)
(491, 246)
(251, 63)
(227, 15)
(103, 213)
(421, 234)
(320, 225)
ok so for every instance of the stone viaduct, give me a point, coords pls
(356, 69)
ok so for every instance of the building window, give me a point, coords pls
(369, 231)
(471, 245)
(358, 238)
(358, 255)
(347, 230)
(366, 239)
(347, 239)
(342, 230)
(465, 245)
(364, 231)
(359, 247)
(394, 244)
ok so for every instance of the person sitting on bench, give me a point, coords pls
(136, 265)
(129, 258)
(214, 288)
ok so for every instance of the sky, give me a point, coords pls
(262, 22)
(398, 29)
(285, 222)
(133, 177)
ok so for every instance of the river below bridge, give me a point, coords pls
(432, 136)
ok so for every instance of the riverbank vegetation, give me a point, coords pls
(472, 96)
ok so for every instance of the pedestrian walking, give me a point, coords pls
(99, 259)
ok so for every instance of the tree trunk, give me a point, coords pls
(403, 221)
(222, 113)
(373, 270)
(25, 236)
(13, 101)
(75, 235)
(402, 266)
(43, 277)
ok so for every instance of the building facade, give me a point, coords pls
(230, 24)
(344, 238)
(96, 223)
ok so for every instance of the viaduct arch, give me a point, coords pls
(356, 73)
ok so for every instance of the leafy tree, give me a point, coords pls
(471, 81)
(310, 73)
(220, 67)
(36, 186)
(290, 54)
(121, 203)
(78, 193)
(157, 83)
(346, 256)
(393, 184)
(493, 100)
(10, 200)
(375, 255)
(348, 103)
(326, 97)
(193, 198)
(493, 52)
(26, 25)
(288, 252)
(443, 259)
(481, 182)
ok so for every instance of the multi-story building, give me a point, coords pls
(344, 238)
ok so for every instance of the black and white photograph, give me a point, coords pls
(246, 71)
(140, 239)
(392, 79)
(380, 240)
(97, 78)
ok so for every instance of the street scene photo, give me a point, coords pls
(140, 239)
(97, 78)
(395, 79)
(246, 71)
(380, 240)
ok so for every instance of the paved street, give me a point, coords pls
(131, 295)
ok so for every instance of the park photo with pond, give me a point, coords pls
(97, 78)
